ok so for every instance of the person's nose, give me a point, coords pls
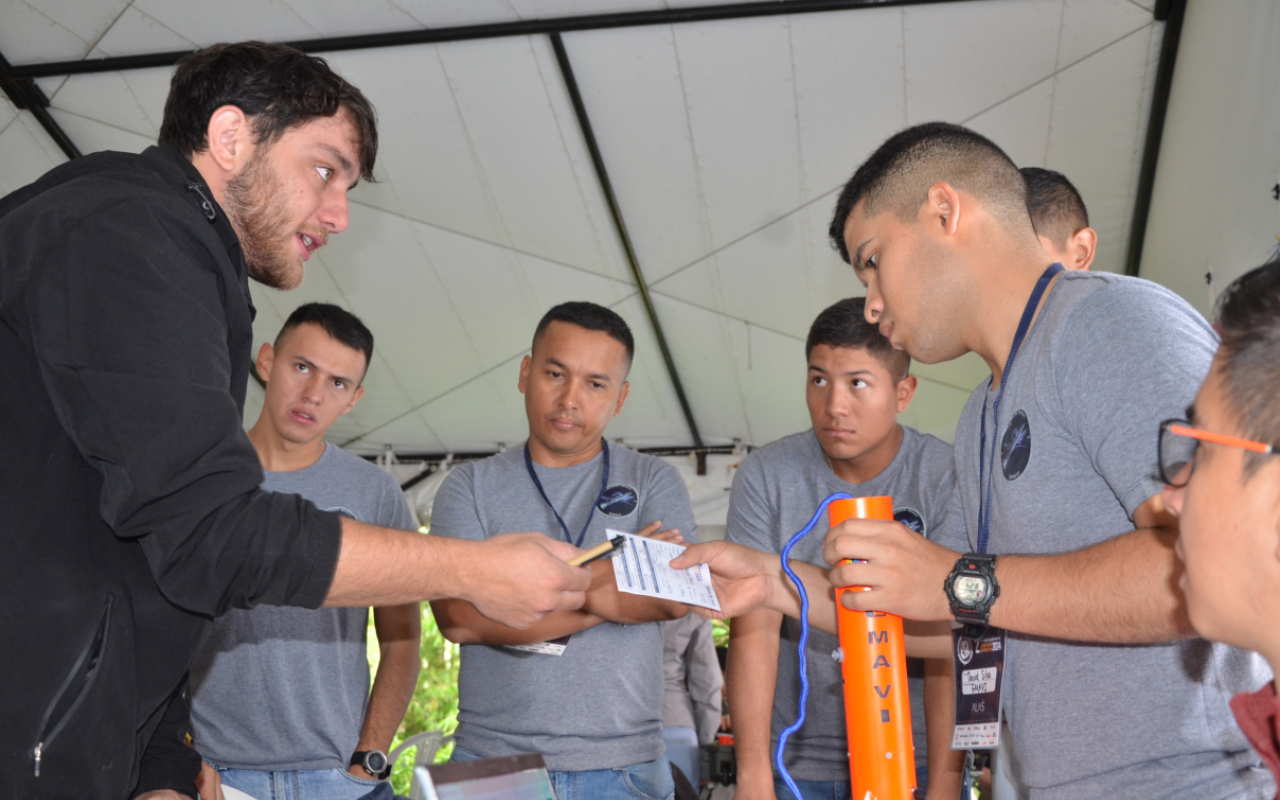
(1173, 497)
(334, 212)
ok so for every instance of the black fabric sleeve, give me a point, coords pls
(126, 310)
(168, 762)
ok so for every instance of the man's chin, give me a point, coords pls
(283, 276)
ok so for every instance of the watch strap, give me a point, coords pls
(360, 757)
(975, 619)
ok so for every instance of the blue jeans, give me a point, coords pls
(841, 790)
(303, 784)
(648, 781)
(814, 790)
(682, 750)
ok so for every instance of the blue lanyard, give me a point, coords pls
(986, 470)
(604, 484)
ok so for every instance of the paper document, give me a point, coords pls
(644, 567)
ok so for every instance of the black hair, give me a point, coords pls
(592, 317)
(276, 86)
(899, 173)
(1249, 358)
(1056, 208)
(336, 321)
(844, 324)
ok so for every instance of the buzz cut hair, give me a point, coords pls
(592, 317)
(1248, 363)
(898, 175)
(1056, 208)
(844, 324)
(339, 323)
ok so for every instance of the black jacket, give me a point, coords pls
(130, 513)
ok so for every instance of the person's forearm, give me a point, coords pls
(946, 766)
(388, 567)
(461, 623)
(393, 687)
(514, 578)
(1123, 590)
(751, 678)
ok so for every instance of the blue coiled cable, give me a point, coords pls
(804, 639)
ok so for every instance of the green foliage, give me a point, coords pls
(720, 632)
(435, 702)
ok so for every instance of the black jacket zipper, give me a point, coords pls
(74, 687)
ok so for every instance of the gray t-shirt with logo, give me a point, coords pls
(599, 705)
(1107, 360)
(279, 688)
(775, 493)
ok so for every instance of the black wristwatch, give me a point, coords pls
(374, 762)
(971, 589)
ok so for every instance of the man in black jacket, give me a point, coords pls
(129, 500)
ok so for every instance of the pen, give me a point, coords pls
(599, 551)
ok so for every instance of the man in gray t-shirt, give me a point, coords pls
(282, 694)
(1106, 692)
(591, 700)
(857, 385)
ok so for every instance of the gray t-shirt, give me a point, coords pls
(776, 491)
(1107, 360)
(599, 705)
(280, 688)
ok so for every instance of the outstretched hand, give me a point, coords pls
(744, 579)
(903, 570)
(518, 578)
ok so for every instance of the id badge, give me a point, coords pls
(979, 671)
(555, 647)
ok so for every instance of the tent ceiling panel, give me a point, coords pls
(959, 65)
(26, 151)
(725, 141)
(136, 32)
(1102, 160)
(52, 30)
(1090, 25)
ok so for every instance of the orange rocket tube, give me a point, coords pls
(877, 710)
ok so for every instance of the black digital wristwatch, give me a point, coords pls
(971, 589)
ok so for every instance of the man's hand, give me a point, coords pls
(209, 783)
(518, 578)
(904, 570)
(744, 578)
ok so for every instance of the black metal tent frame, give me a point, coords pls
(19, 84)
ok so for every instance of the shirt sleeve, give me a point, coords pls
(666, 498)
(395, 511)
(752, 520)
(1132, 355)
(128, 328)
(454, 513)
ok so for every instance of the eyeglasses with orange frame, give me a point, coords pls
(1178, 444)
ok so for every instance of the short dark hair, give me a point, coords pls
(336, 321)
(1056, 208)
(592, 317)
(276, 86)
(844, 324)
(899, 173)
(1249, 358)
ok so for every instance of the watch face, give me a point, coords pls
(375, 762)
(970, 590)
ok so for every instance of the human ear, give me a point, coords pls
(622, 397)
(354, 399)
(1082, 246)
(229, 138)
(525, 365)
(942, 206)
(266, 357)
(906, 391)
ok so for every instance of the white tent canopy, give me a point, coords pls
(725, 142)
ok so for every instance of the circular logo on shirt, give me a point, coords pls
(910, 517)
(1015, 448)
(618, 500)
(964, 649)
